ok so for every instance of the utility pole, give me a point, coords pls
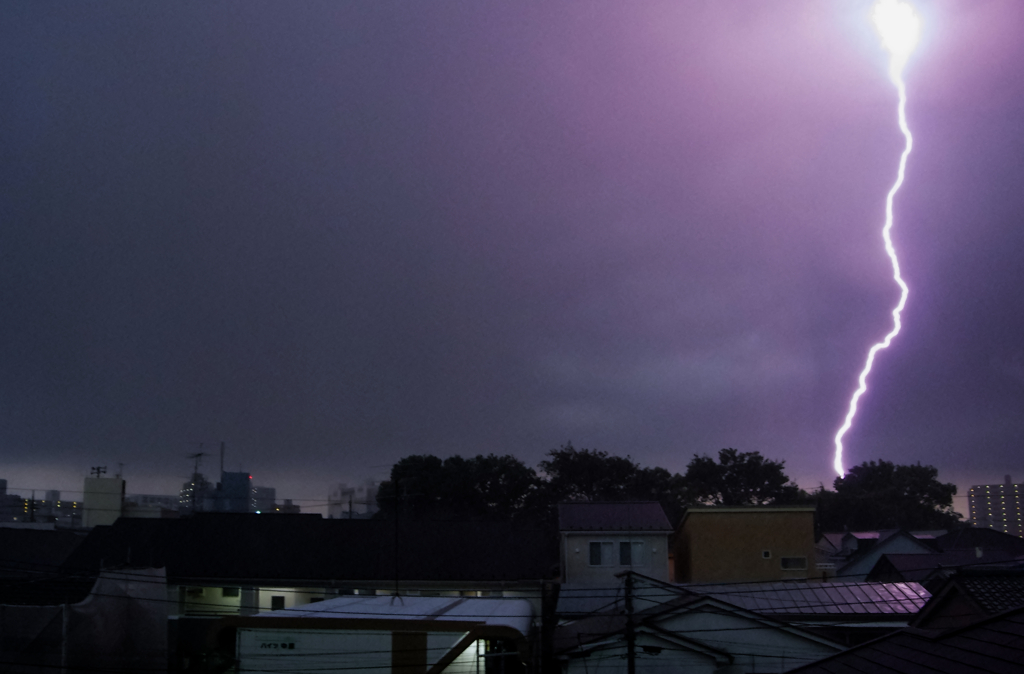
(630, 627)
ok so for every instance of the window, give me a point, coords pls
(794, 563)
(617, 553)
(631, 554)
(229, 592)
(766, 554)
(601, 553)
(276, 603)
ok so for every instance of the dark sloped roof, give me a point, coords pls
(49, 591)
(914, 567)
(995, 593)
(791, 598)
(30, 552)
(626, 516)
(783, 600)
(991, 646)
(981, 537)
(30, 567)
(308, 547)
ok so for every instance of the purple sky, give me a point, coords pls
(333, 234)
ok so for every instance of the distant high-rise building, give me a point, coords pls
(102, 502)
(232, 495)
(12, 508)
(288, 508)
(346, 502)
(997, 506)
(192, 497)
(264, 499)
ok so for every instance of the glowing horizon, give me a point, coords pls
(899, 27)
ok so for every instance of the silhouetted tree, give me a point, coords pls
(481, 487)
(502, 487)
(884, 495)
(739, 478)
(587, 475)
(591, 475)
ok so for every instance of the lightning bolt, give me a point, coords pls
(898, 26)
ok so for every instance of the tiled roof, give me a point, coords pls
(626, 516)
(995, 593)
(781, 599)
(814, 598)
(991, 646)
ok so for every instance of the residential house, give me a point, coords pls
(994, 644)
(861, 550)
(745, 544)
(972, 595)
(973, 625)
(847, 613)
(599, 540)
(843, 613)
(932, 570)
(964, 548)
(649, 628)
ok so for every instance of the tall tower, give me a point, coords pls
(997, 506)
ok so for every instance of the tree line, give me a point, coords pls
(873, 495)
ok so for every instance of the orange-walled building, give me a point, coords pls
(729, 544)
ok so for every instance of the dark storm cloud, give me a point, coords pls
(334, 234)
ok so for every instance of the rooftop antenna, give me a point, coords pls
(197, 457)
(98, 470)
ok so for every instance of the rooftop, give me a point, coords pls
(994, 644)
(625, 516)
(813, 598)
(514, 613)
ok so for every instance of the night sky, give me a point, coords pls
(333, 234)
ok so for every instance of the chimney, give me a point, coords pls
(1008, 481)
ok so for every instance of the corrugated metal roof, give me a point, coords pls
(626, 516)
(812, 598)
